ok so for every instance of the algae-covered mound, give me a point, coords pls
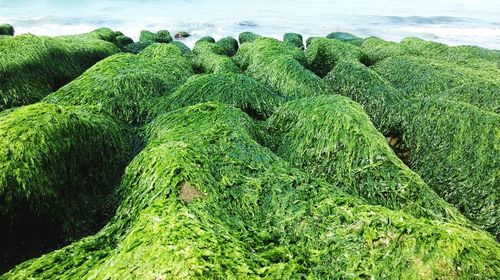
(452, 145)
(212, 58)
(247, 37)
(229, 45)
(31, 67)
(126, 85)
(237, 90)
(332, 138)
(322, 54)
(6, 29)
(294, 39)
(205, 200)
(279, 66)
(57, 165)
(455, 147)
(162, 36)
(346, 37)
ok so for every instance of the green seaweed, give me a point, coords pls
(57, 168)
(209, 39)
(162, 36)
(6, 29)
(279, 66)
(237, 90)
(229, 45)
(31, 67)
(212, 58)
(247, 37)
(294, 39)
(127, 86)
(323, 53)
(346, 37)
(205, 200)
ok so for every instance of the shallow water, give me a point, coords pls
(475, 22)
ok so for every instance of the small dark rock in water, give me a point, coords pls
(6, 29)
(248, 37)
(182, 34)
(229, 45)
(247, 23)
(294, 39)
(206, 39)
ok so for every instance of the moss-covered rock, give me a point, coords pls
(247, 37)
(31, 67)
(122, 41)
(279, 66)
(346, 37)
(322, 54)
(237, 90)
(136, 47)
(229, 45)
(58, 166)
(162, 36)
(331, 137)
(294, 39)
(127, 85)
(184, 49)
(212, 58)
(209, 39)
(6, 29)
(204, 199)
(375, 50)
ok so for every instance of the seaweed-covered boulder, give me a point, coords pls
(237, 90)
(322, 54)
(375, 50)
(136, 47)
(182, 35)
(183, 47)
(331, 137)
(346, 37)
(247, 37)
(205, 200)
(31, 67)
(162, 36)
(229, 45)
(122, 41)
(209, 39)
(279, 66)
(127, 85)
(6, 29)
(58, 166)
(294, 39)
(212, 58)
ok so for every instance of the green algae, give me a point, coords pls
(57, 168)
(279, 66)
(6, 29)
(331, 137)
(31, 67)
(127, 86)
(247, 37)
(322, 54)
(229, 45)
(253, 216)
(294, 39)
(162, 36)
(209, 39)
(346, 37)
(212, 58)
(237, 90)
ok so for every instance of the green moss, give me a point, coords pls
(136, 47)
(211, 58)
(122, 41)
(229, 45)
(294, 39)
(6, 29)
(375, 50)
(322, 54)
(205, 200)
(279, 66)
(184, 49)
(346, 37)
(237, 90)
(331, 137)
(57, 167)
(31, 67)
(209, 39)
(127, 85)
(162, 36)
(247, 37)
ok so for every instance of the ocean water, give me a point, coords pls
(459, 22)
